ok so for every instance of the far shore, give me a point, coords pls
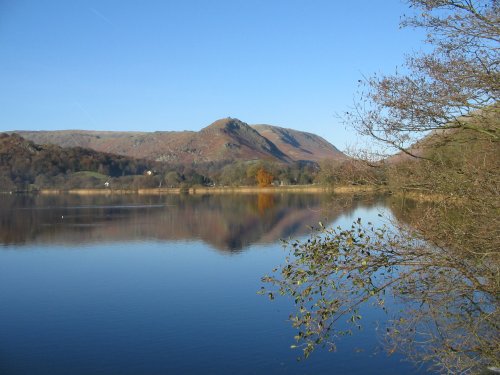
(219, 190)
(421, 196)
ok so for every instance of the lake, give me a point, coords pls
(166, 285)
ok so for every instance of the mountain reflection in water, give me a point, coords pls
(227, 222)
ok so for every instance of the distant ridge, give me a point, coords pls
(224, 140)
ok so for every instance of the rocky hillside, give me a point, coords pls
(299, 145)
(225, 139)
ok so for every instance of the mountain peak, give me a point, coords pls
(240, 136)
(227, 124)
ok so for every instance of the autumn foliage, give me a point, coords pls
(264, 178)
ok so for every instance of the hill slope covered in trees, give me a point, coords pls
(24, 163)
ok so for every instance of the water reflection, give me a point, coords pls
(226, 222)
(131, 300)
(438, 287)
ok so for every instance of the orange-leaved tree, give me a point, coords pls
(264, 178)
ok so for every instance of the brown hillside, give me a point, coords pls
(224, 140)
(299, 145)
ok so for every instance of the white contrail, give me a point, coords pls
(94, 123)
(101, 16)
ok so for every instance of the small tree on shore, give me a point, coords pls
(264, 178)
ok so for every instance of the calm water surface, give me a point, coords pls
(164, 285)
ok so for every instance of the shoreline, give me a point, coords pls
(314, 189)
(204, 190)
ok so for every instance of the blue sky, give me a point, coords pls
(180, 65)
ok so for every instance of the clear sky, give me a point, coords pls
(182, 64)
